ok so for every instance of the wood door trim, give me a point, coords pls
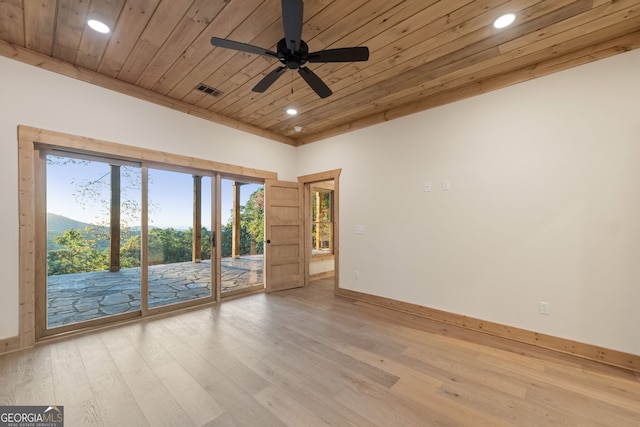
(307, 180)
(152, 158)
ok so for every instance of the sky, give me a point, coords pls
(70, 182)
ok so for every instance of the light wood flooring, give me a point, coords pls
(306, 358)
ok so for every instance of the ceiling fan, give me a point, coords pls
(293, 52)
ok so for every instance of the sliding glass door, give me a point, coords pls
(242, 264)
(179, 250)
(123, 238)
(93, 238)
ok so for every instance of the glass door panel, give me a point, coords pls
(93, 239)
(176, 271)
(242, 222)
(204, 267)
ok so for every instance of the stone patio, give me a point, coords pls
(78, 297)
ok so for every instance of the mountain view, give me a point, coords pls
(58, 224)
(74, 246)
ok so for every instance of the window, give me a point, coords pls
(322, 218)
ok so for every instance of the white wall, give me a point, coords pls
(544, 205)
(323, 265)
(34, 97)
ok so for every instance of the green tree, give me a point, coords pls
(206, 244)
(130, 252)
(226, 239)
(76, 256)
(251, 227)
(168, 245)
(252, 219)
(94, 193)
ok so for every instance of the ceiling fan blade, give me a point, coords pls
(269, 79)
(345, 54)
(315, 82)
(242, 47)
(292, 17)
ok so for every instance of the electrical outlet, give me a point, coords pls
(356, 274)
(545, 308)
(427, 186)
(446, 185)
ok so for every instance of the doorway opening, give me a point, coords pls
(321, 265)
(322, 237)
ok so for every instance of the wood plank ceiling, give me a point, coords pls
(424, 53)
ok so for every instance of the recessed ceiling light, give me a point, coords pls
(99, 26)
(504, 20)
(297, 128)
(292, 111)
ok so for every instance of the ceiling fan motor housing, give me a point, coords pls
(293, 60)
